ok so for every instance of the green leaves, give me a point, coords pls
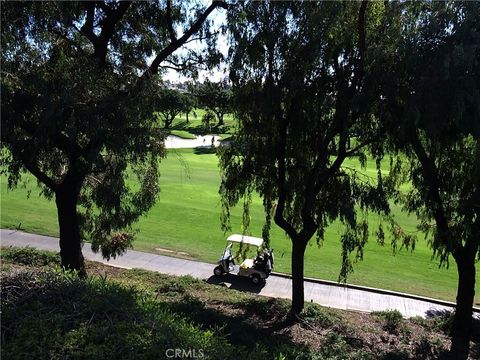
(292, 67)
(431, 115)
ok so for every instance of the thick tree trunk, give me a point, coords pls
(462, 323)
(298, 296)
(70, 241)
(220, 120)
(187, 116)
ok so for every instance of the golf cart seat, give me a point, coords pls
(246, 264)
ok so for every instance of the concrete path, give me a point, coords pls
(322, 292)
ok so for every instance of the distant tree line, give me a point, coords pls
(215, 97)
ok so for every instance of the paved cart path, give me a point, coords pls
(322, 292)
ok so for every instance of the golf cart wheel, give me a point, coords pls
(218, 271)
(256, 279)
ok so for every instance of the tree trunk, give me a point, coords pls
(70, 241)
(187, 116)
(168, 122)
(298, 296)
(462, 322)
(220, 120)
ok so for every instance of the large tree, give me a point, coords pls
(77, 111)
(216, 97)
(169, 103)
(431, 94)
(298, 73)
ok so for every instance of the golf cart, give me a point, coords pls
(257, 267)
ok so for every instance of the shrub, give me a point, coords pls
(336, 347)
(58, 315)
(266, 308)
(177, 285)
(30, 256)
(316, 315)
(393, 320)
(418, 320)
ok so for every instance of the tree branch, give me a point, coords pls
(70, 41)
(352, 151)
(62, 141)
(343, 103)
(87, 28)
(171, 32)
(282, 190)
(202, 37)
(174, 45)
(359, 66)
(430, 175)
(180, 66)
(35, 170)
(108, 27)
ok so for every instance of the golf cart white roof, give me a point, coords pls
(250, 240)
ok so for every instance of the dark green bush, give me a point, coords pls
(176, 285)
(393, 320)
(30, 256)
(316, 315)
(56, 315)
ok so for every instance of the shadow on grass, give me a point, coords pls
(237, 327)
(53, 315)
(204, 150)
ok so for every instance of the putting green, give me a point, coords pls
(186, 219)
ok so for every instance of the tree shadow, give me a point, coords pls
(61, 316)
(446, 317)
(237, 328)
(200, 129)
(236, 282)
(204, 150)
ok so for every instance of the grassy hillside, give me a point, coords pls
(134, 314)
(186, 218)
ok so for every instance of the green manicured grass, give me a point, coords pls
(187, 218)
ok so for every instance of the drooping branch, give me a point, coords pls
(360, 60)
(430, 175)
(343, 104)
(353, 151)
(281, 182)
